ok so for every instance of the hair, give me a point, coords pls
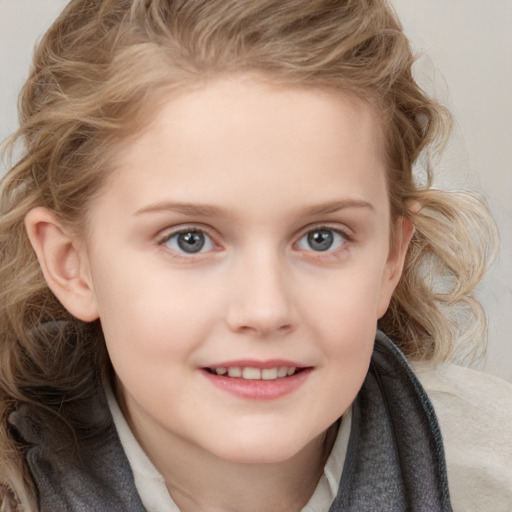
(98, 75)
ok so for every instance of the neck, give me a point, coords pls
(210, 484)
(200, 482)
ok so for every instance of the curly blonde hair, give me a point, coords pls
(98, 75)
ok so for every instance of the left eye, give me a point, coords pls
(321, 240)
(190, 242)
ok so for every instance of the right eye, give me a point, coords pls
(189, 241)
(322, 239)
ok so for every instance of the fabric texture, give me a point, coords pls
(94, 477)
(474, 411)
(395, 458)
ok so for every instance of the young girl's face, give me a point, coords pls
(247, 231)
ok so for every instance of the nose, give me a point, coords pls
(260, 302)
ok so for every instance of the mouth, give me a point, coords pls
(252, 373)
(258, 380)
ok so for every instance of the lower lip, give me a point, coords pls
(259, 389)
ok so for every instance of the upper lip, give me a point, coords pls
(252, 363)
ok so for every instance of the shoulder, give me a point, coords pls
(474, 411)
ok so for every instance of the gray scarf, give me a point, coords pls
(395, 458)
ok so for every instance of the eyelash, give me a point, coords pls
(210, 241)
(169, 235)
(328, 252)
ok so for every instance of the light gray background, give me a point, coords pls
(466, 62)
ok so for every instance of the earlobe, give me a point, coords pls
(395, 263)
(64, 265)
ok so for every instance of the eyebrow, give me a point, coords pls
(334, 206)
(206, 210)
(203, 210)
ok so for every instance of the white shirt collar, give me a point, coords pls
(154, 494)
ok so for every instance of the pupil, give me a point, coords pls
(191, 242)
(320, 240)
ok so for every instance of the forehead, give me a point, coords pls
(217, 106)
(239, 135)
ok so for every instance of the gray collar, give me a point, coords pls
(395, 458)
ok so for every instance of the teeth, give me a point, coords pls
(235, 372)
(269, 374)
(282, 371)
(250, 373)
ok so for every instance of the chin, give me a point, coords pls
(261, 451)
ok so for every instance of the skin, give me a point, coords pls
(256, 167)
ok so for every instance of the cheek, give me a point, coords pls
(345, 335)
(347, 301)
(151, 342)
(153, 324)
(150, 316)
(343, 315)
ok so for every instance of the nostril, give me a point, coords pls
(260, 314)
(264, 330)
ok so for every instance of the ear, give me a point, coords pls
(63, 262)
(404, 231)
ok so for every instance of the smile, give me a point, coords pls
(257, 380)
(250, 373)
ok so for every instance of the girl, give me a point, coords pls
(211, 232)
